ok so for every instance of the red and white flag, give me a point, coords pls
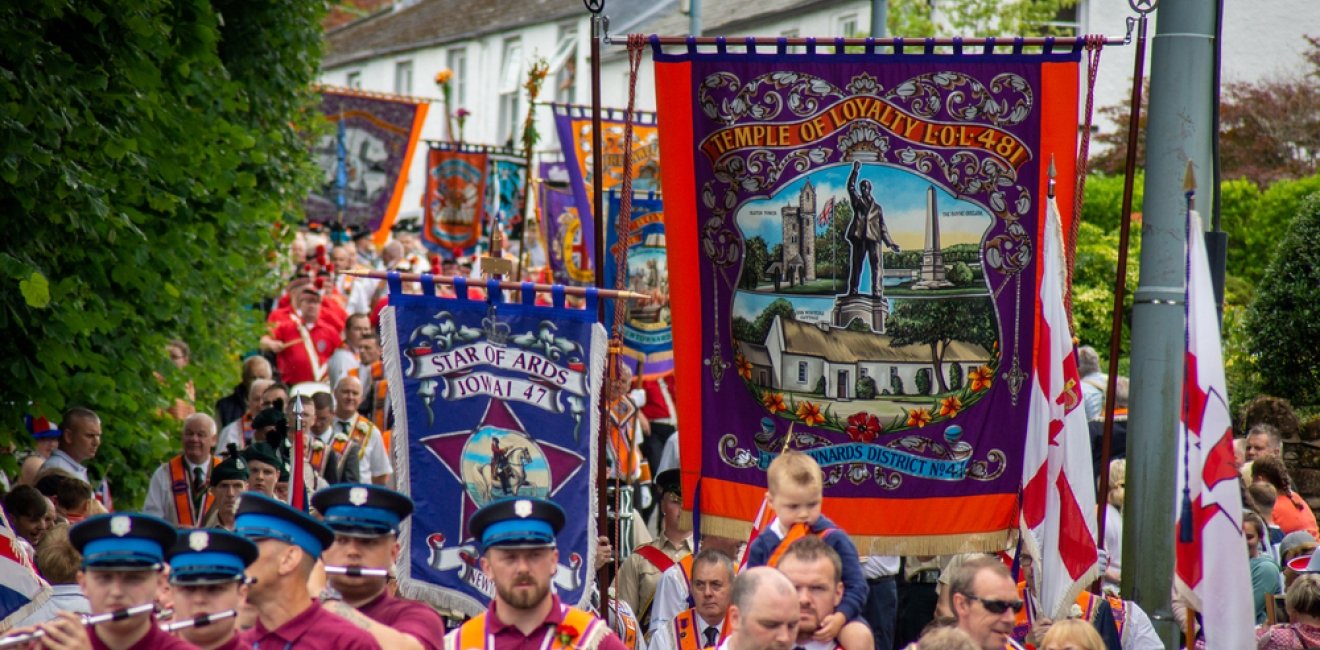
(1207, 480)
(1058, 493)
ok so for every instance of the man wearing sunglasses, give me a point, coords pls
(985, 602)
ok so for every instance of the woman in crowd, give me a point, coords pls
(1072, 634)
(1303, 606)
(1265, 578)
(1291, 512)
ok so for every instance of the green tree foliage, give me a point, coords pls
(976, 17)
(820, 386)
(960, 274)
(756, 256)
(937, 323)
(1284, 321)
(755, 332)
(865, 388)
(1095, 267)
(150, 153)
(923, 381)
(955, 376)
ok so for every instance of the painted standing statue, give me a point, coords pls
(866, 231)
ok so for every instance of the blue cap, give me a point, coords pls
(127, 541)
(261, 517)
(360, 510)
(208, 556)
(520, 522)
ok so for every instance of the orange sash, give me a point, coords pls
(181, 486)
(472, 634)
(795, 532)
(687, 634)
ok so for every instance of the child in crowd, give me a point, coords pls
(795, 487)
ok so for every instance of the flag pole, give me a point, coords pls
(598, 26)
(1120, 278)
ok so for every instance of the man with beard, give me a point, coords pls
(366, 519)
(763, 614)
(816, 572)
(517, 539)
(702, 626)
(985, 601)
(206, 573)
(288, 544)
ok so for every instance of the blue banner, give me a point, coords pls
(648, 342)
(494, 399)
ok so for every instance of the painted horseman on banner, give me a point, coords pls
(507, 468)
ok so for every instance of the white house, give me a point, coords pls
(800, 354)
(488, 45)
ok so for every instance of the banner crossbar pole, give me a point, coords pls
(570, 290)
(1076, 42)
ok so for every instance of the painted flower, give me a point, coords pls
(981, 378)
(810, 414)
(462, 113)
(566, 633)
(744, 366)
(443, 77)
(918, 417)
(773, 402)
(950, 406)
(863, 427)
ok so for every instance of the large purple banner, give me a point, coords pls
(859, 235)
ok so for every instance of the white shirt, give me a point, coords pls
(341, 363)
(60, 460)
(231, 433)
(879, 566)
(1114, 537)
(818, 645)
(671, 597)
(63, 598)
(662, 638)
(160, 492)
(375, 462)
(360, 295)
(1138, 632)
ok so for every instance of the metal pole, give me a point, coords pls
(1178, 130)
(879, 18)
(694, 17)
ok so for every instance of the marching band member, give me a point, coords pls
(288, 544)
(207, 573)
(365, 520)
(517, 538)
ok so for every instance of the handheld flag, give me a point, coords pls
(1058, 497)
(1207, 480)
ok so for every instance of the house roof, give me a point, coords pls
(755, 354)
(430, 23)
(844, 346)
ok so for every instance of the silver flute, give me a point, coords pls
(199, 621)
(95, 619)
(357, 571)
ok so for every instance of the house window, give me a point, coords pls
(802, 372)
(354, 79)
(456, 61)
(846, 25)
(403, 73)
(862, 371)
(564, 64)
(510, 91)
(1067, 22)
